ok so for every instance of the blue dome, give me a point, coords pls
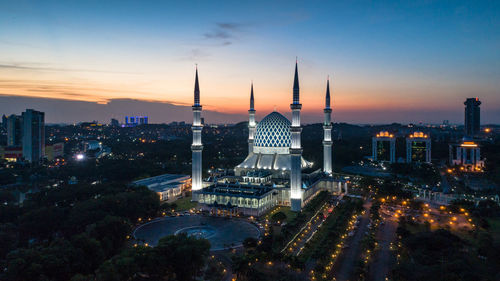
(273, 131)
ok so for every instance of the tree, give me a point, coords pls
(177, 257)
(249, 242)
(278, 217)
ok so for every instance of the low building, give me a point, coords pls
(54, 151)
(246, 199)
(11, 153)
(467, 155)
(168, 186)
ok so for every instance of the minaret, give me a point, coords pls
(251, 122)
(296, 148)
(197, 146)
(327, 133)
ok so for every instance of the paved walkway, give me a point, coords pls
(383, 258)
(344, 267)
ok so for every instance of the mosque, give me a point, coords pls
(271, 174)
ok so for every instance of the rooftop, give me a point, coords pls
(161, 180)
(249, 191)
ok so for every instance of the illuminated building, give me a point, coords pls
(271, 148)
(33, 140)
(11, 153)
(271, 174)
(276, 146)
(418, 147)
(167, 186)
(132, 121)
(467, 155)
(472, 117)
(378, 146)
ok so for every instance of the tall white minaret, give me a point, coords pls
(296, 148)
(251, 122)
(327, 136)
(197, 146)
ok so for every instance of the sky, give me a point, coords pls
(388, 61)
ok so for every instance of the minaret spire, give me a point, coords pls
(251, 121)
(327, 133)
(296, 147)
(327, 99)
(197, 146)
(196, 88)
(251, 97)
(296, 96)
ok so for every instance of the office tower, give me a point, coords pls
(14, 130)
(472, 117)
(33, 140)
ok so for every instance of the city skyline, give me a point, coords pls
(406, 63)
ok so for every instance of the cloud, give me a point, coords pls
(46, 67)
(70, 91)
(195, 55)
(224, 32)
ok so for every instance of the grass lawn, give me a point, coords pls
(290, 215)
(184, 204)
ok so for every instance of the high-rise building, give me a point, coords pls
(33, 140)
(14, 130)
(472, 117)
(114, 122)
(4, 121)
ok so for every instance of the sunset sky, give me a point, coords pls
(413, 62)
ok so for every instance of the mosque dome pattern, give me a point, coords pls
(273, 131)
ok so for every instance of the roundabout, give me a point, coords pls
(223, 233)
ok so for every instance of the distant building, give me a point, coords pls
(114, 122)
(53, 151)
(94, 149)
(467, 155)
(418, 148)
(33, 140)
(472, 117)
(378, 149)
(14, 130)
(168, 186)
(11, 153)
(4, 121)
(132, 121)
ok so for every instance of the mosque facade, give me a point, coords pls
(272, 173)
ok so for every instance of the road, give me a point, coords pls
(383, 258)
(343, 268)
